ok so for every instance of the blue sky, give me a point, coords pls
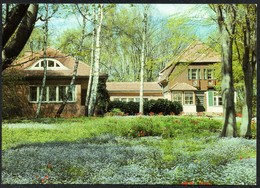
(194, 11)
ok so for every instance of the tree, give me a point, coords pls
(226, 16)
(17, 28)
(72, 82)
(90, 81)
(45, 39)
(94, 86)
(246, 50)
(141, 104)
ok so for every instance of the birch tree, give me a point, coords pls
(94, 86)
(141, 105)
(226, 16)
(75, 69)
(91, 60)
(45, 39)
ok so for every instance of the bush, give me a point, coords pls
(160, 106)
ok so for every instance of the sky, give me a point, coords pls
(165, 10)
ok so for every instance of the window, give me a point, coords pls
(217, 99)
(188, 97)
(123, 99)
(52, 93)
(208, 74)
(52, 64)
(194, 74)
(177, 96)
(33, 93)
(130, 99)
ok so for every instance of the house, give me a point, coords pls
(130, 91)
(190, 79)
(59, 73)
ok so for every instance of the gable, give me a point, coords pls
(52, 64)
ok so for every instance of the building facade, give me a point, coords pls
(130, 91)
(60, 68)
(190, 80)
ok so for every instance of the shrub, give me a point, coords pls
(160, 107)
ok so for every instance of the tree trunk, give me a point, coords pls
(227, 28)
(92, 61)
(18, 38)
(44, 62)
(141, 104)
(248, 71)
(93, 98)
(72, 82)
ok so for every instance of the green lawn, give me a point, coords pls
(125, 150)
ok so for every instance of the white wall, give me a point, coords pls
(189, 108)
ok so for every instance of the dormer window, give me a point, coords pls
(52, 64)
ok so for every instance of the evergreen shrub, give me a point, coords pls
(160, 106)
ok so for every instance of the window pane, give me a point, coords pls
(50, 63)
(57, 65)
(37, 65)
(33, 93)
(219, 100)
(52, 93)
(177, 96)
(44, 97)
(137, 99)
(210, 74)
(62, 92)
(188, 98)
(71, 93)
(130, 99)
(123, 99)
(193, 73)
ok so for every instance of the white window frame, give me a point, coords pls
(185, 101)
(208, 72)
(74, 94)
(197, 74)
(216, 99)
(177, 94)
(56, 62)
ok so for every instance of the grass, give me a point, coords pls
(127, 150)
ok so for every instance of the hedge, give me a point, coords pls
(160, 106)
